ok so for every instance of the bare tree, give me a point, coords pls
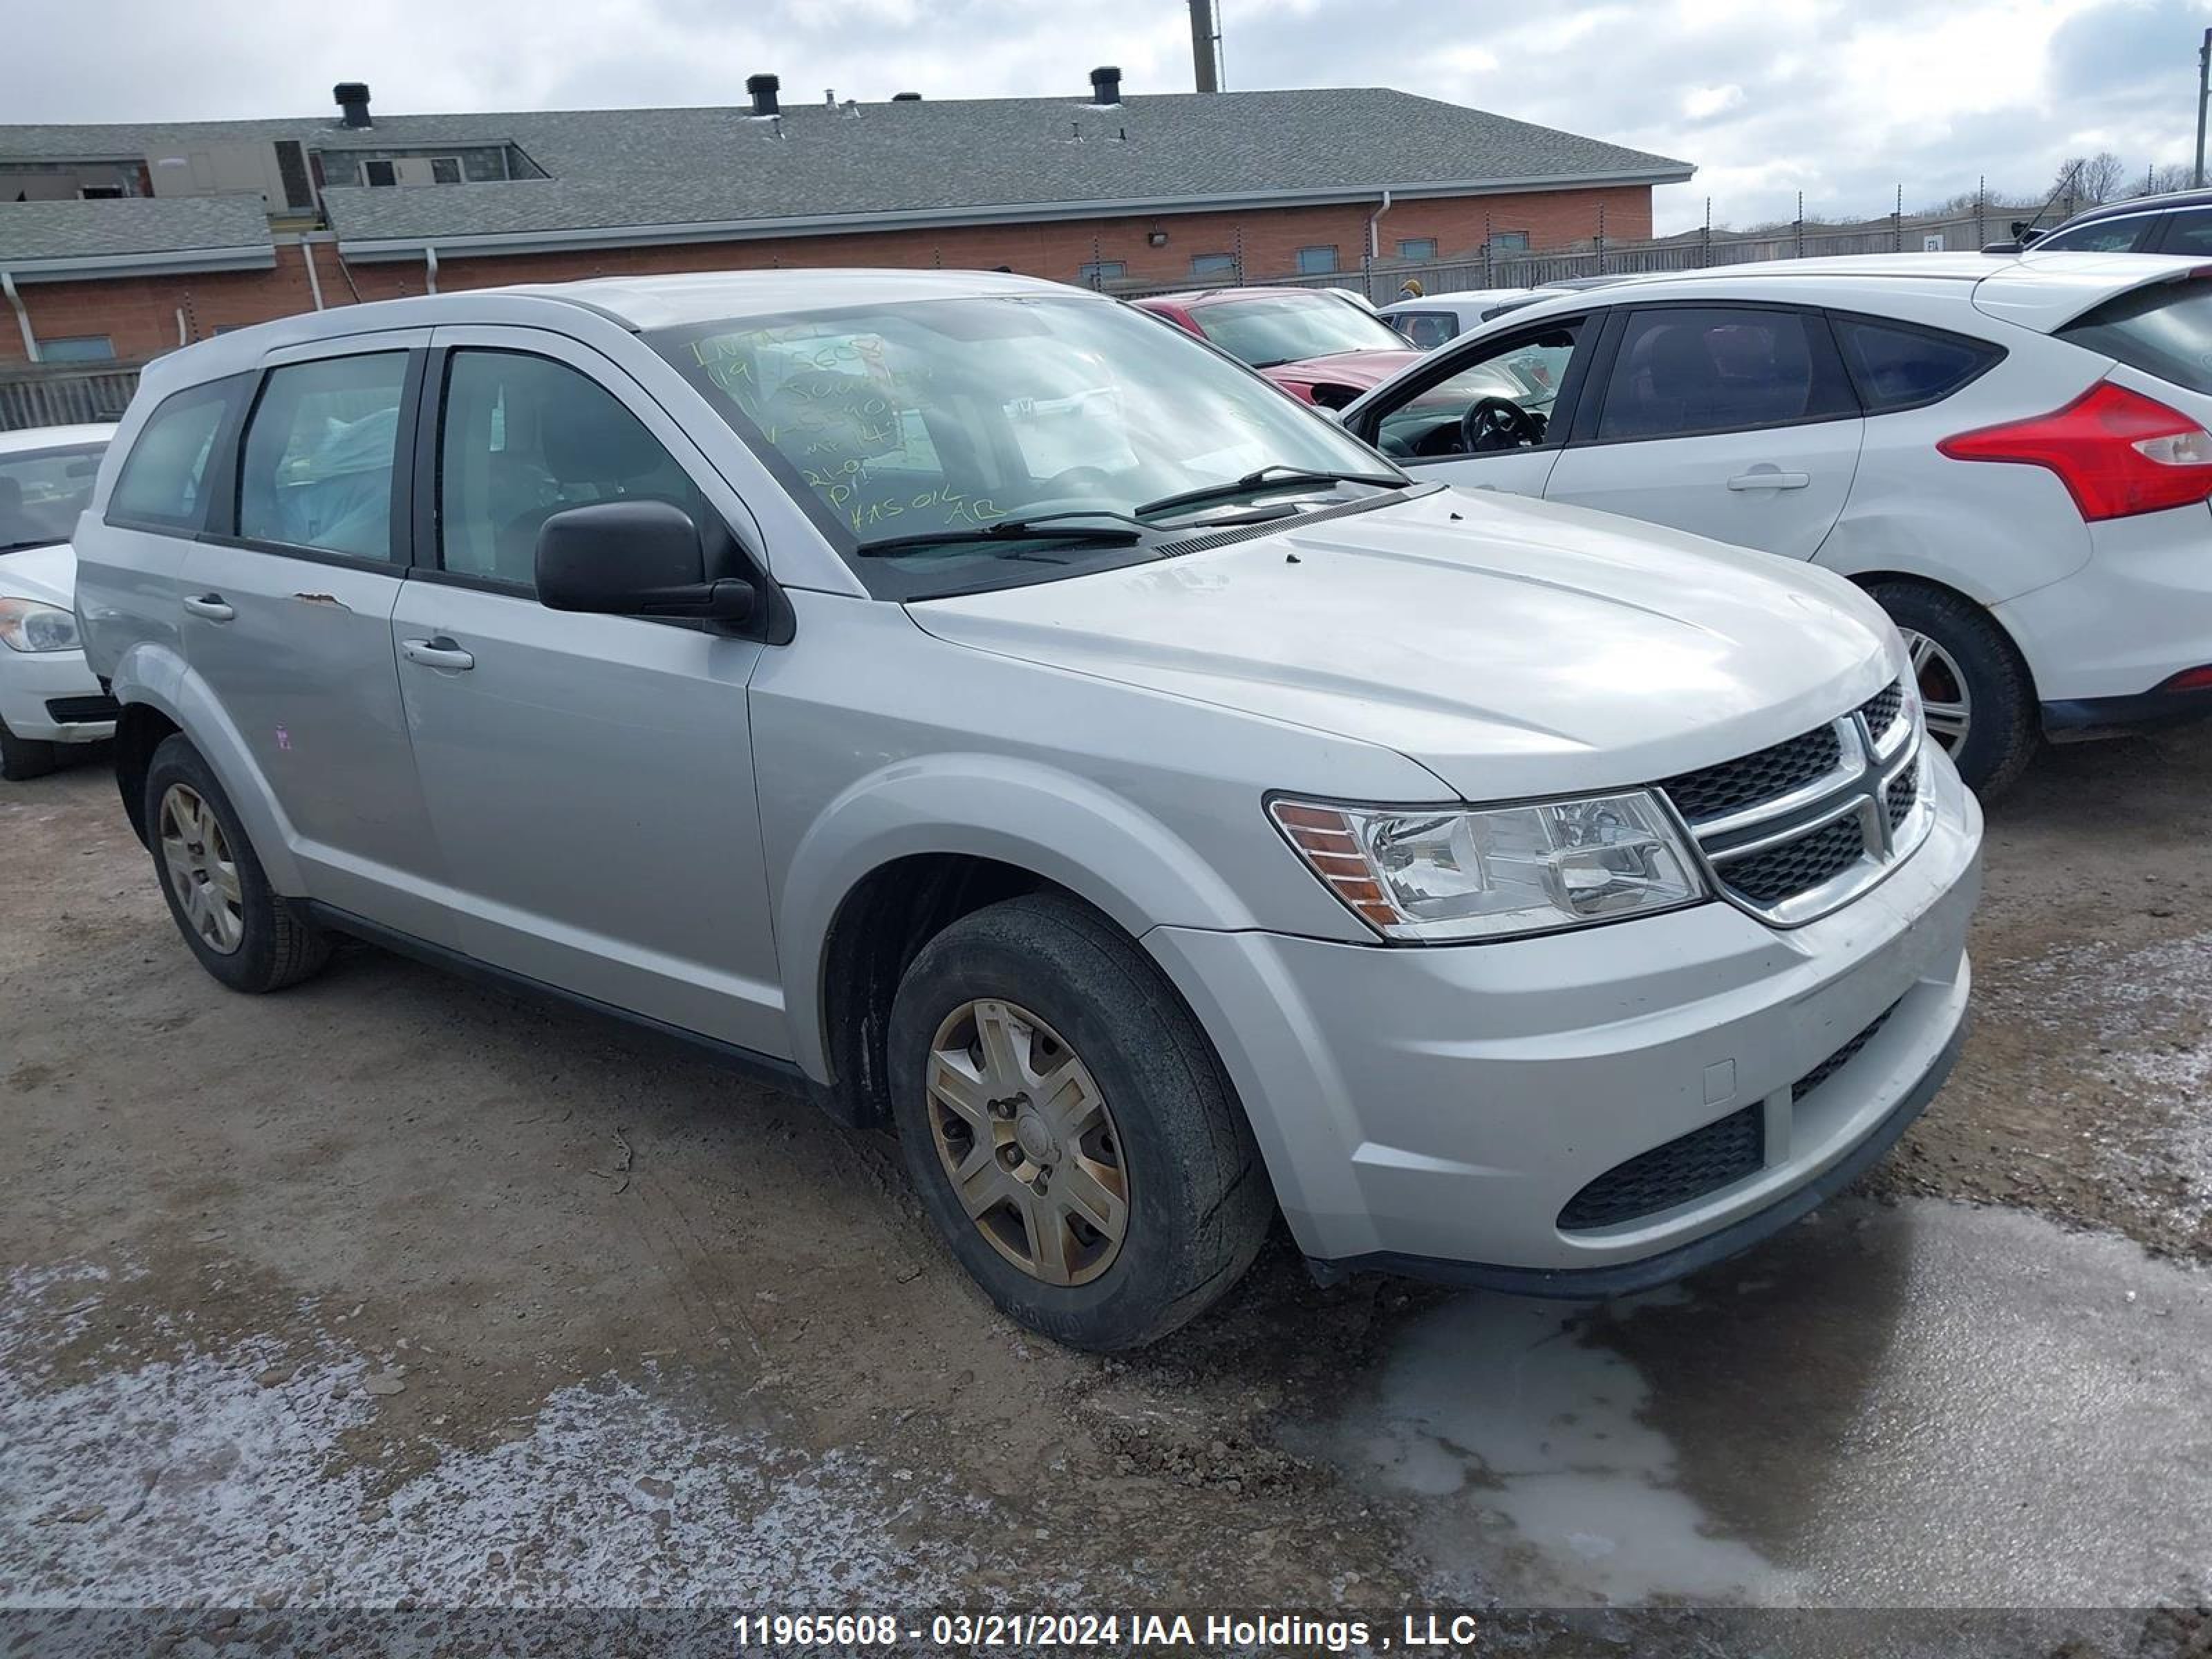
(2172, 175)
(2089, 180)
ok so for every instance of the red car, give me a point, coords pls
(1318, 346)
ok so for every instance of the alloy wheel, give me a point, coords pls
(1025, 1136)
(1944, 700)
(196, 858)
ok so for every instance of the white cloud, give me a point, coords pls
(1702, 103)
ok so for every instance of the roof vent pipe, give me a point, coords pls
(352, 99)
(1106, 84)
(762, 88)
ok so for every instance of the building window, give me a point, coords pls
(100, 193)
(78, 348)
(1508, 241)
(1316, 261)
(1418, 247)
(1099, 271)
(1213, 265)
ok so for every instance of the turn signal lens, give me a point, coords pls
(1430, 874)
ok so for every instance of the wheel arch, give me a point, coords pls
(1870, 580)
(903, 854)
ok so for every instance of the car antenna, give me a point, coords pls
(2018, 230)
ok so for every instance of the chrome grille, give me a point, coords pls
(1797, 830)
(1716, 791)
(1784, 871)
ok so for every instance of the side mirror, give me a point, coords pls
(633, 559)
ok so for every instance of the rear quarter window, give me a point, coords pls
(1897, 367)
(164, 482)
(2164, 330)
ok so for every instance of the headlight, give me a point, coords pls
(1436, 873)
(27, 625)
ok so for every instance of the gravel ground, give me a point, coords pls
(392, 1289)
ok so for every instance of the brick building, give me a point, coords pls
(118, 242)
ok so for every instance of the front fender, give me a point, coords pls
(1064, 828)
(155, 675)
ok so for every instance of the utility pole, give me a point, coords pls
(1206, 41)
(2204, 84)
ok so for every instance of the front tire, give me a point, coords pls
(1068, 1128)
(24, 758)
(244, 932)
(1979, 700)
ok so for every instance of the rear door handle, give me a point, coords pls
(1770, 479)
(209, 605)
(438, 653)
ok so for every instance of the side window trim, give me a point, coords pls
(1820, 340)
(1563, 406)
(222, 527)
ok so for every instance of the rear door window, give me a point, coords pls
(1681, 370)
(2103, 236)
(164, 480)
(1896, 366)
(1426, 329)
(2164, 330)
(2188, 232)
(319, 452)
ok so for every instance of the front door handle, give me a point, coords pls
(437, 653)
(209, 605)
(1769, 479)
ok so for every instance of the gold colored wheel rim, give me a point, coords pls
(1025, 1137)
(197, 861)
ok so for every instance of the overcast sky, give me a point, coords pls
(1843, 99)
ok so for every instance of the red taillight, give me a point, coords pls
(2116, 451)
(2189, 679)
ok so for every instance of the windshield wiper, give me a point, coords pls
(1278, 477)
(1048, 524)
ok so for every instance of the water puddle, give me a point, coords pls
(1917, 1406)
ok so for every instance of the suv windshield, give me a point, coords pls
(1288, 328)
(908, 430)
(41, 492)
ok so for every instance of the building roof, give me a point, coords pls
(702, 173)
(142, 233)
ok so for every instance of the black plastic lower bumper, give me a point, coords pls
(1626, 1278)
(2090, 717)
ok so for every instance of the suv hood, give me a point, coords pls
(47, 575)
(1512, 647)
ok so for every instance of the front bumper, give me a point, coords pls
(30, 680)
(1442, 1105)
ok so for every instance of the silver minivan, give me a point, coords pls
(1027, 730)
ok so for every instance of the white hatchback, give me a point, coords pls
(2010, 453)
(47, 694)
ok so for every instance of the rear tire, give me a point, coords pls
(244, 933)
(24, 758)
(2002, 730)
(1114, 1088)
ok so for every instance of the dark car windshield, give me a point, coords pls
(1288, 328)
(897, 422)
(42, 491)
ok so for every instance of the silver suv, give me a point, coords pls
(1028, 730)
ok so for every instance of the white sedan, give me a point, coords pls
(2013, 456)
(1433, 319)
(47, 694)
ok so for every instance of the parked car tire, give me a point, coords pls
(1043, 1066)
(243, 931)
(23, 759)
(1969, 674)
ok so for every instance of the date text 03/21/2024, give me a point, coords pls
(984, 1631)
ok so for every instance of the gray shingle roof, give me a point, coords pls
(229, 229)
(915, 162)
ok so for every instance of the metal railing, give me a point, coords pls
(57, 394)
